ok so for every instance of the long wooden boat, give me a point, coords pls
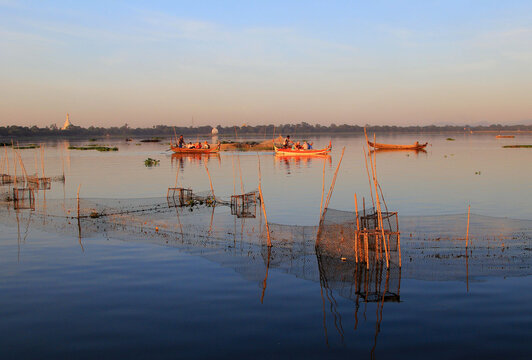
(505, 136)
(212, 150)
(414, 146)
(296, 152)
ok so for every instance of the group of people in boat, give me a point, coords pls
(289, 144)
(183, 145)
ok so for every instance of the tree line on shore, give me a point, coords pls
(52, 131)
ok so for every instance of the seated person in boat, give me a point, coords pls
(298, 146)
(307, 146)
(206, 145)
(287, 142)
(181, 142)
(190, 146)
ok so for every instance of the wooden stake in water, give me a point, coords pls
(358, 229)
(467, 231)
(331, 189)
(264, 207)
(322, 188)
(210, 181)
(79, 187)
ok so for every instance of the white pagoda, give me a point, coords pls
(67, 122)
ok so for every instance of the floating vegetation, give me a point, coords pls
(517, 146)
(477, 172)
(92, 139)
(151, 140)
(21, 147)
(29, 146)
(149, 162)
(94, 215)
(93, 147)
(450, 139)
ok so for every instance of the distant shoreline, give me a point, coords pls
(8, 133)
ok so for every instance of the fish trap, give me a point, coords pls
(178, 196)
(6, 179)
(23, 198)
(245, 205)
(37, 183)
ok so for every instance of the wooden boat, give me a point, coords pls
(214, 149)
(505, 136)
(414, 146)
(296, 152)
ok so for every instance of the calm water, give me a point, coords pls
(142, 299)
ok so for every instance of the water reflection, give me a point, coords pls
(194, 160)
(289, 163)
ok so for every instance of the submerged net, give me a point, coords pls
(432, 248)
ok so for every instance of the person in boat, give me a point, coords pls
(298, 146)
(287, 142)
(306, 145)
(189, 145)
(206, 145)
(181, 142)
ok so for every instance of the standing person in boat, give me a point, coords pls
(181, 142)
(287, 142)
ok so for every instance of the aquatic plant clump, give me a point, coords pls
(149, 162)
(517, 146)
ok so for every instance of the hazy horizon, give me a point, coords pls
(235, 63)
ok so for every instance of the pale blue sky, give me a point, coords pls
(251, 62)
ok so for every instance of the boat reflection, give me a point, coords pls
(194, 159)
(416, 151)
(288, 162)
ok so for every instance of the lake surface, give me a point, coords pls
(208, 291)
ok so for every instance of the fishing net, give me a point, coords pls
(432, 248)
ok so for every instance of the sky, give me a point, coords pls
(187, 63)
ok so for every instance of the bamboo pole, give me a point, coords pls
(175, 137)
(210, 180)
(366, 245)
(369, 179)
(322, 188)
(374, 164)
(331, 189)
(7, 159)
(399, 248)
(36, 163)
(240, 172)
(25, 174)
(42, 159)
(77, 197)
(263, 206)
(358, 228)
(467, 231)
(234, 177)
(14, 166)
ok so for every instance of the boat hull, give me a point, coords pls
(212, 150)
(378, 146)
(293, 152)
